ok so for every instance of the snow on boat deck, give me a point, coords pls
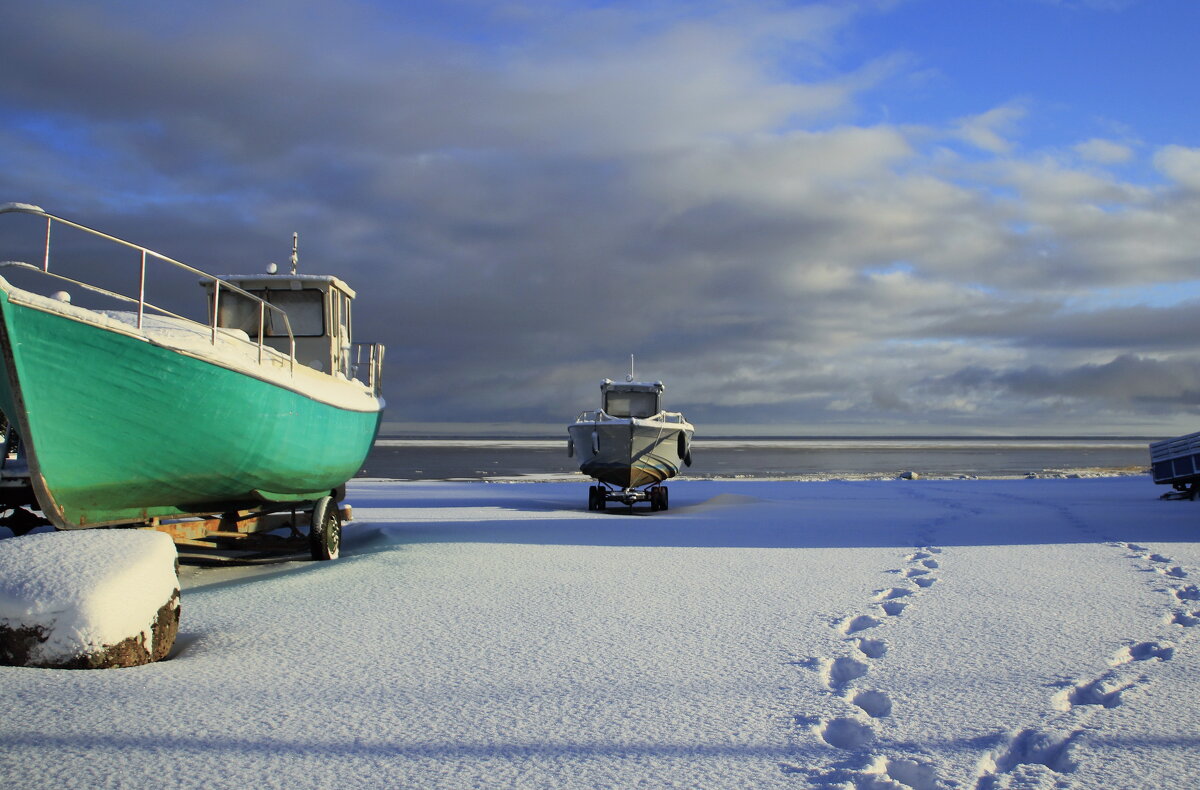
(918, 634)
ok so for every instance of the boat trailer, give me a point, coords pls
(600, 495)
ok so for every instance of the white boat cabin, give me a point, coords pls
(317, 307)
(631, 399)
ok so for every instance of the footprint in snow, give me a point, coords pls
(911, 572)
(838, 672)
(872, 648)
(885, 773)
(892, 593)
(852, 625)
(1184, 619)
(845, 733)
(889, 772)
(1105, 691)
(1143, 651)
(1189, 593)
(875, 704)
(892, 608)
(924, 581)
(1046, 750)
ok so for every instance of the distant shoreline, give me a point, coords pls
(765, 458)
(578, 477)
(841, 442)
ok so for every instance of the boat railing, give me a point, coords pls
(142, 304)
(599, 415)
(369, 355)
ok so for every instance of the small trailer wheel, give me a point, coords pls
(663, 498)
(325, 531)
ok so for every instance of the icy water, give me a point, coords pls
(781, 458)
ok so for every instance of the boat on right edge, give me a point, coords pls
(630, 445)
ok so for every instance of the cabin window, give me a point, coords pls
(305, 310)
(631, 404)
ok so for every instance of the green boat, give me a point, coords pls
(140, 416)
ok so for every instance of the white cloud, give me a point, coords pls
(1180, 164)
(991, 130)
(1105, 152)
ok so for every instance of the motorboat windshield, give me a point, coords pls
(631, 404)
(632, 399)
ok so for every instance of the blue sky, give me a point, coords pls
(1084, 70)
(884, 216)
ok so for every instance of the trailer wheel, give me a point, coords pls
(663, 498)
(591, 497)
(325, 531)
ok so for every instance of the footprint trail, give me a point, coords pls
(858, 735)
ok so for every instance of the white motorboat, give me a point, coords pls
(630, 445)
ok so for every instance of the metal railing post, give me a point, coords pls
(46, 258)
(216, 307)
(142, 292)
(262, 326)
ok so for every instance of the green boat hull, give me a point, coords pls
(119, 430)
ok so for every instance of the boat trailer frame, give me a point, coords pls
(601, 494)
(247, 530)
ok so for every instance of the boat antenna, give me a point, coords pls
(629, 378)
(295, 253)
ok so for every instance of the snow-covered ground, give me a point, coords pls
(867, 634)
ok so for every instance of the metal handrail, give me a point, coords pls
(600, 415)
(142, 304)
(374, 362)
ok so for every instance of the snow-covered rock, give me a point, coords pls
(88, 599)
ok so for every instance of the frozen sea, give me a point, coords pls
(862, 634)
(805, 458)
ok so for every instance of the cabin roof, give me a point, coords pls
(281, 281)
(608, 385)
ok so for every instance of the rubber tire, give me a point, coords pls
(601, 499)
(663, 498)
(655, 499)
(325, 530)
(591, 497)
